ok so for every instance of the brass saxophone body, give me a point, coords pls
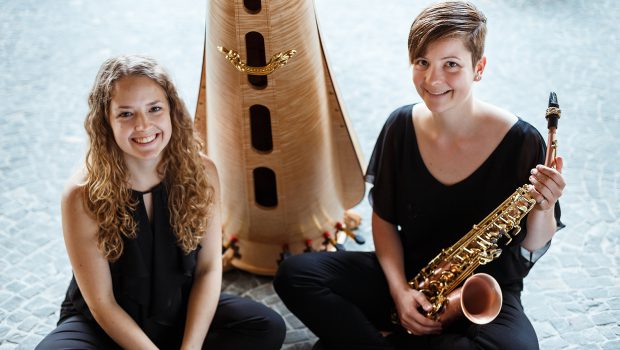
(481, 245)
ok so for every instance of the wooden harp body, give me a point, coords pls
(288, 159)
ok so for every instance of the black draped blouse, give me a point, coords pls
(431, 216)
(152, 278)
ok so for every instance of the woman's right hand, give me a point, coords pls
(409, 305)
(389, 249)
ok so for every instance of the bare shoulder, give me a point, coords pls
(74, 208)
(500, 114)
(498, 118)
(211, 170)
(420, 111)
(74, 189)
(421, 117)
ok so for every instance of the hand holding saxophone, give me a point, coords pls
(547, 184)
(411, 306)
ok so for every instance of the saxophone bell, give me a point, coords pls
(480, 298)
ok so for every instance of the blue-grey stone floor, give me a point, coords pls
(51, 50)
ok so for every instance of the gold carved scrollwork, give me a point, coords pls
(276, 61)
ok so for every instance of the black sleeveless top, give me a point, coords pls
(152, 278)
(431, 216)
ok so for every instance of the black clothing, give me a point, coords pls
(343, 297)
(238, 324)
(152, 279)
(408, 196)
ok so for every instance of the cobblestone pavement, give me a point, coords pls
(50, 51)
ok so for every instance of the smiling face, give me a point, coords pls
(443, 75)
(139, 116)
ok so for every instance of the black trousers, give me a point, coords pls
(238, 323)
(343, 298)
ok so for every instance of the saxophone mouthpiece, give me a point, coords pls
(553, 100)
(553, 111)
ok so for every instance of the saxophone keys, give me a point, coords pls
(507, 222)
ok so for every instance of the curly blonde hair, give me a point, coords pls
(107, 189)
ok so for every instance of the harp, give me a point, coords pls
(288, 159)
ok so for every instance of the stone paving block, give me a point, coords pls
(15, 286)
(271, 299)
(596, 293)
(4, 294)
(614, 303)
(580, 323)
(31, 279)
(605, 318)
(281, 308)
(577, 308)
(29, 343)
(544, 330)
(298, 346)
(599, 272)
(293, 322)
(28, 324)
(560, 324)
(553, 343)
(584, 338)
(45, 311)
(594, 306)
(261, 292)
(541, 314)
(16, 337)
(591, 346)
(611, 345)
(43, 328)
(295, 336)
(610, 331)
(4, 330)
(13, 303)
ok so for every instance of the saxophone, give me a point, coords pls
(480, 298)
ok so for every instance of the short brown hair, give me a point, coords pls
(448, 19)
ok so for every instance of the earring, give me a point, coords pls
(478, 77)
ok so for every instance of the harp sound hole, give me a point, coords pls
(260, 125)
(252, 6)
(255, 53)
(265, 192)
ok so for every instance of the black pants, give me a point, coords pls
(238, 323)
(343, 298)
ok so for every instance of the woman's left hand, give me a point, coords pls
(547, 184)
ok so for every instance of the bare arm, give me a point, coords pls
(205, 292)
(389, 251)
(548, 185)
(92, 273)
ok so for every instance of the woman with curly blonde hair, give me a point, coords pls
(142, 229)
